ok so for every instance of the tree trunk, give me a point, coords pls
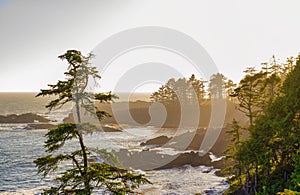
(256, 177)
(87, 186)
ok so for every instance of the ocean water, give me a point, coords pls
(19, 147)
(19, 103)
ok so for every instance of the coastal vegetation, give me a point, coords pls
(267, 161)
(85, 175)
(263, 155)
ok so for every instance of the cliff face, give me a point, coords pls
(139, 112)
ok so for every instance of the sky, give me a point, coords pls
(236, 34)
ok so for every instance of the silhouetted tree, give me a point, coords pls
(288, 66)
(183, 91)
(83, 177)
(216, 86)
(248, 93)
(229, 87)
(198, 87)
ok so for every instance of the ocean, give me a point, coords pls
(19, 147)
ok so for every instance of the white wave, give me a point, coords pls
(12, 126)
(214, 157)
(57, 116)
(171, 151)
(184, 180)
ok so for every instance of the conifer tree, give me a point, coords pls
(84, 176)
(235, 167)
(198, 86)
(216, 86)
(270, 156)
(248, 93)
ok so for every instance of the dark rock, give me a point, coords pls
(33, 126)
(183, 142)
(219, 165)
(191, 158)
(240, 192)
(220, 173)
(149, 160)
(191, 141)
(23, 118)
(110, 129)
(69, 119)
(211, 191)
(145, 160)
(158, 141)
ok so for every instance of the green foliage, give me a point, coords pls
(295, 177)
(56, 138)
(85, 175)
(269, 158)
(113, 179)
(249, 93)
(288, 192)
(233, 159)
(270, 88)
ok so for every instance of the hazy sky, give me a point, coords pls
(235, 33)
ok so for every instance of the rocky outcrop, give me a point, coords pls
(158, 141)
(192, 158)
(192, 141)
(33, 126)
(185, 143)
(69, 119)
(23, 118)
(148, 160)
(110, 129)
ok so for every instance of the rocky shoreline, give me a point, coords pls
(149, 157)
(36, 121)
(149, 160)
(23, 118)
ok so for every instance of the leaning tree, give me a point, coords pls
(83, 177)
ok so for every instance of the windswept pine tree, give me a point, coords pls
(248, 93)
(83, 177)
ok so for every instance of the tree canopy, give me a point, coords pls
(268, 161)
